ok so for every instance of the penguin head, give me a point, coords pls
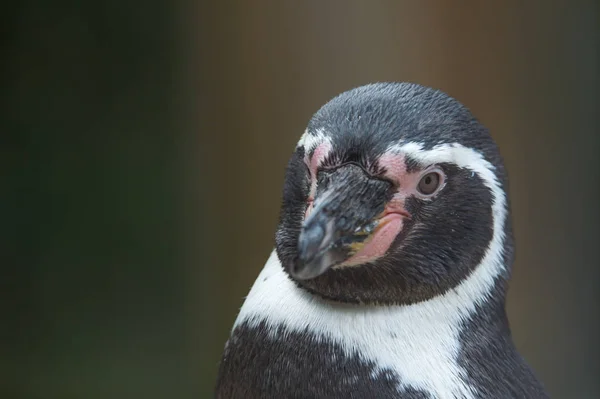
(395, 194)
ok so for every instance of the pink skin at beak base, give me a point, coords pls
(392, 221)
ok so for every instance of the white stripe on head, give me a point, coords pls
(310, 140)
(420, 342)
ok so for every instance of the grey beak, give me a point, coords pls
(347, 202)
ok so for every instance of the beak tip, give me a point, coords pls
(301, 270)
(318, 265)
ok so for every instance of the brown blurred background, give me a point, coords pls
(143, 147)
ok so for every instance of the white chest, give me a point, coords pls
(419, 342)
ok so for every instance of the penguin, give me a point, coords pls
(391, 262)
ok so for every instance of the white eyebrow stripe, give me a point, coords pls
(311, 140)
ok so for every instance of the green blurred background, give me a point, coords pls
(143, 147)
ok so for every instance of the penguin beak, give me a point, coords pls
(346, 211)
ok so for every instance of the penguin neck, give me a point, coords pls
(427, 346)
(277, 301)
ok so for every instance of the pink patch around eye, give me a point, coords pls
(395, 170)
(313, 163)
(394, 165)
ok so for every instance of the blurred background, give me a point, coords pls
(143, 147)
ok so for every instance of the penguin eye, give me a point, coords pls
(429, 183)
